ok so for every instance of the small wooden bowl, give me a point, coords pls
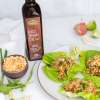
(16, 75)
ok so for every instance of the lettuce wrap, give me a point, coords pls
(84, 56)
(80, 94)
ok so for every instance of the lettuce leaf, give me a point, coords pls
(49, 70)
(95, 79)
(49, 57)
(84, 56)
(91, 53)
(98, 96)
(76, 68)
(67, 94)
(86, 96)
(52, 74)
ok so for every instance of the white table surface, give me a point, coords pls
(57, 32)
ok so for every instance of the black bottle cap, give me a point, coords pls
(29, 1)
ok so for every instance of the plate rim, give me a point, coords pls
(42, 85)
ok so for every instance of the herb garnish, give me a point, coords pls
(12, 84)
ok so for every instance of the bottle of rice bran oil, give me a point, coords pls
(33, 29)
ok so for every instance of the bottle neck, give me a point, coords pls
(30, 1)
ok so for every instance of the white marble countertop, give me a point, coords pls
(57, 32)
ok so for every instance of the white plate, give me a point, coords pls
(51, 87)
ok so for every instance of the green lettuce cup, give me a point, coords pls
(60, 66)
(80, 88)
(50, 69)
(89, 60)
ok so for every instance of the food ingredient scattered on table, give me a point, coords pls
(80, 29)
(83, 28)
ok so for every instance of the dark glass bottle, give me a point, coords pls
(33, 29)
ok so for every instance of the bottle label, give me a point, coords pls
(34, 36)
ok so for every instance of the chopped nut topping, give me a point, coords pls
(62, 65)
(94, 65)
(82, 86)
(14, 64)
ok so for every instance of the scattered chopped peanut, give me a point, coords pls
(14, 64)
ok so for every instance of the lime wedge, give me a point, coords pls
(91, 26)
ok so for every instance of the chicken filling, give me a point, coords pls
(62, 64)
(94, 65)
(80, 86)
